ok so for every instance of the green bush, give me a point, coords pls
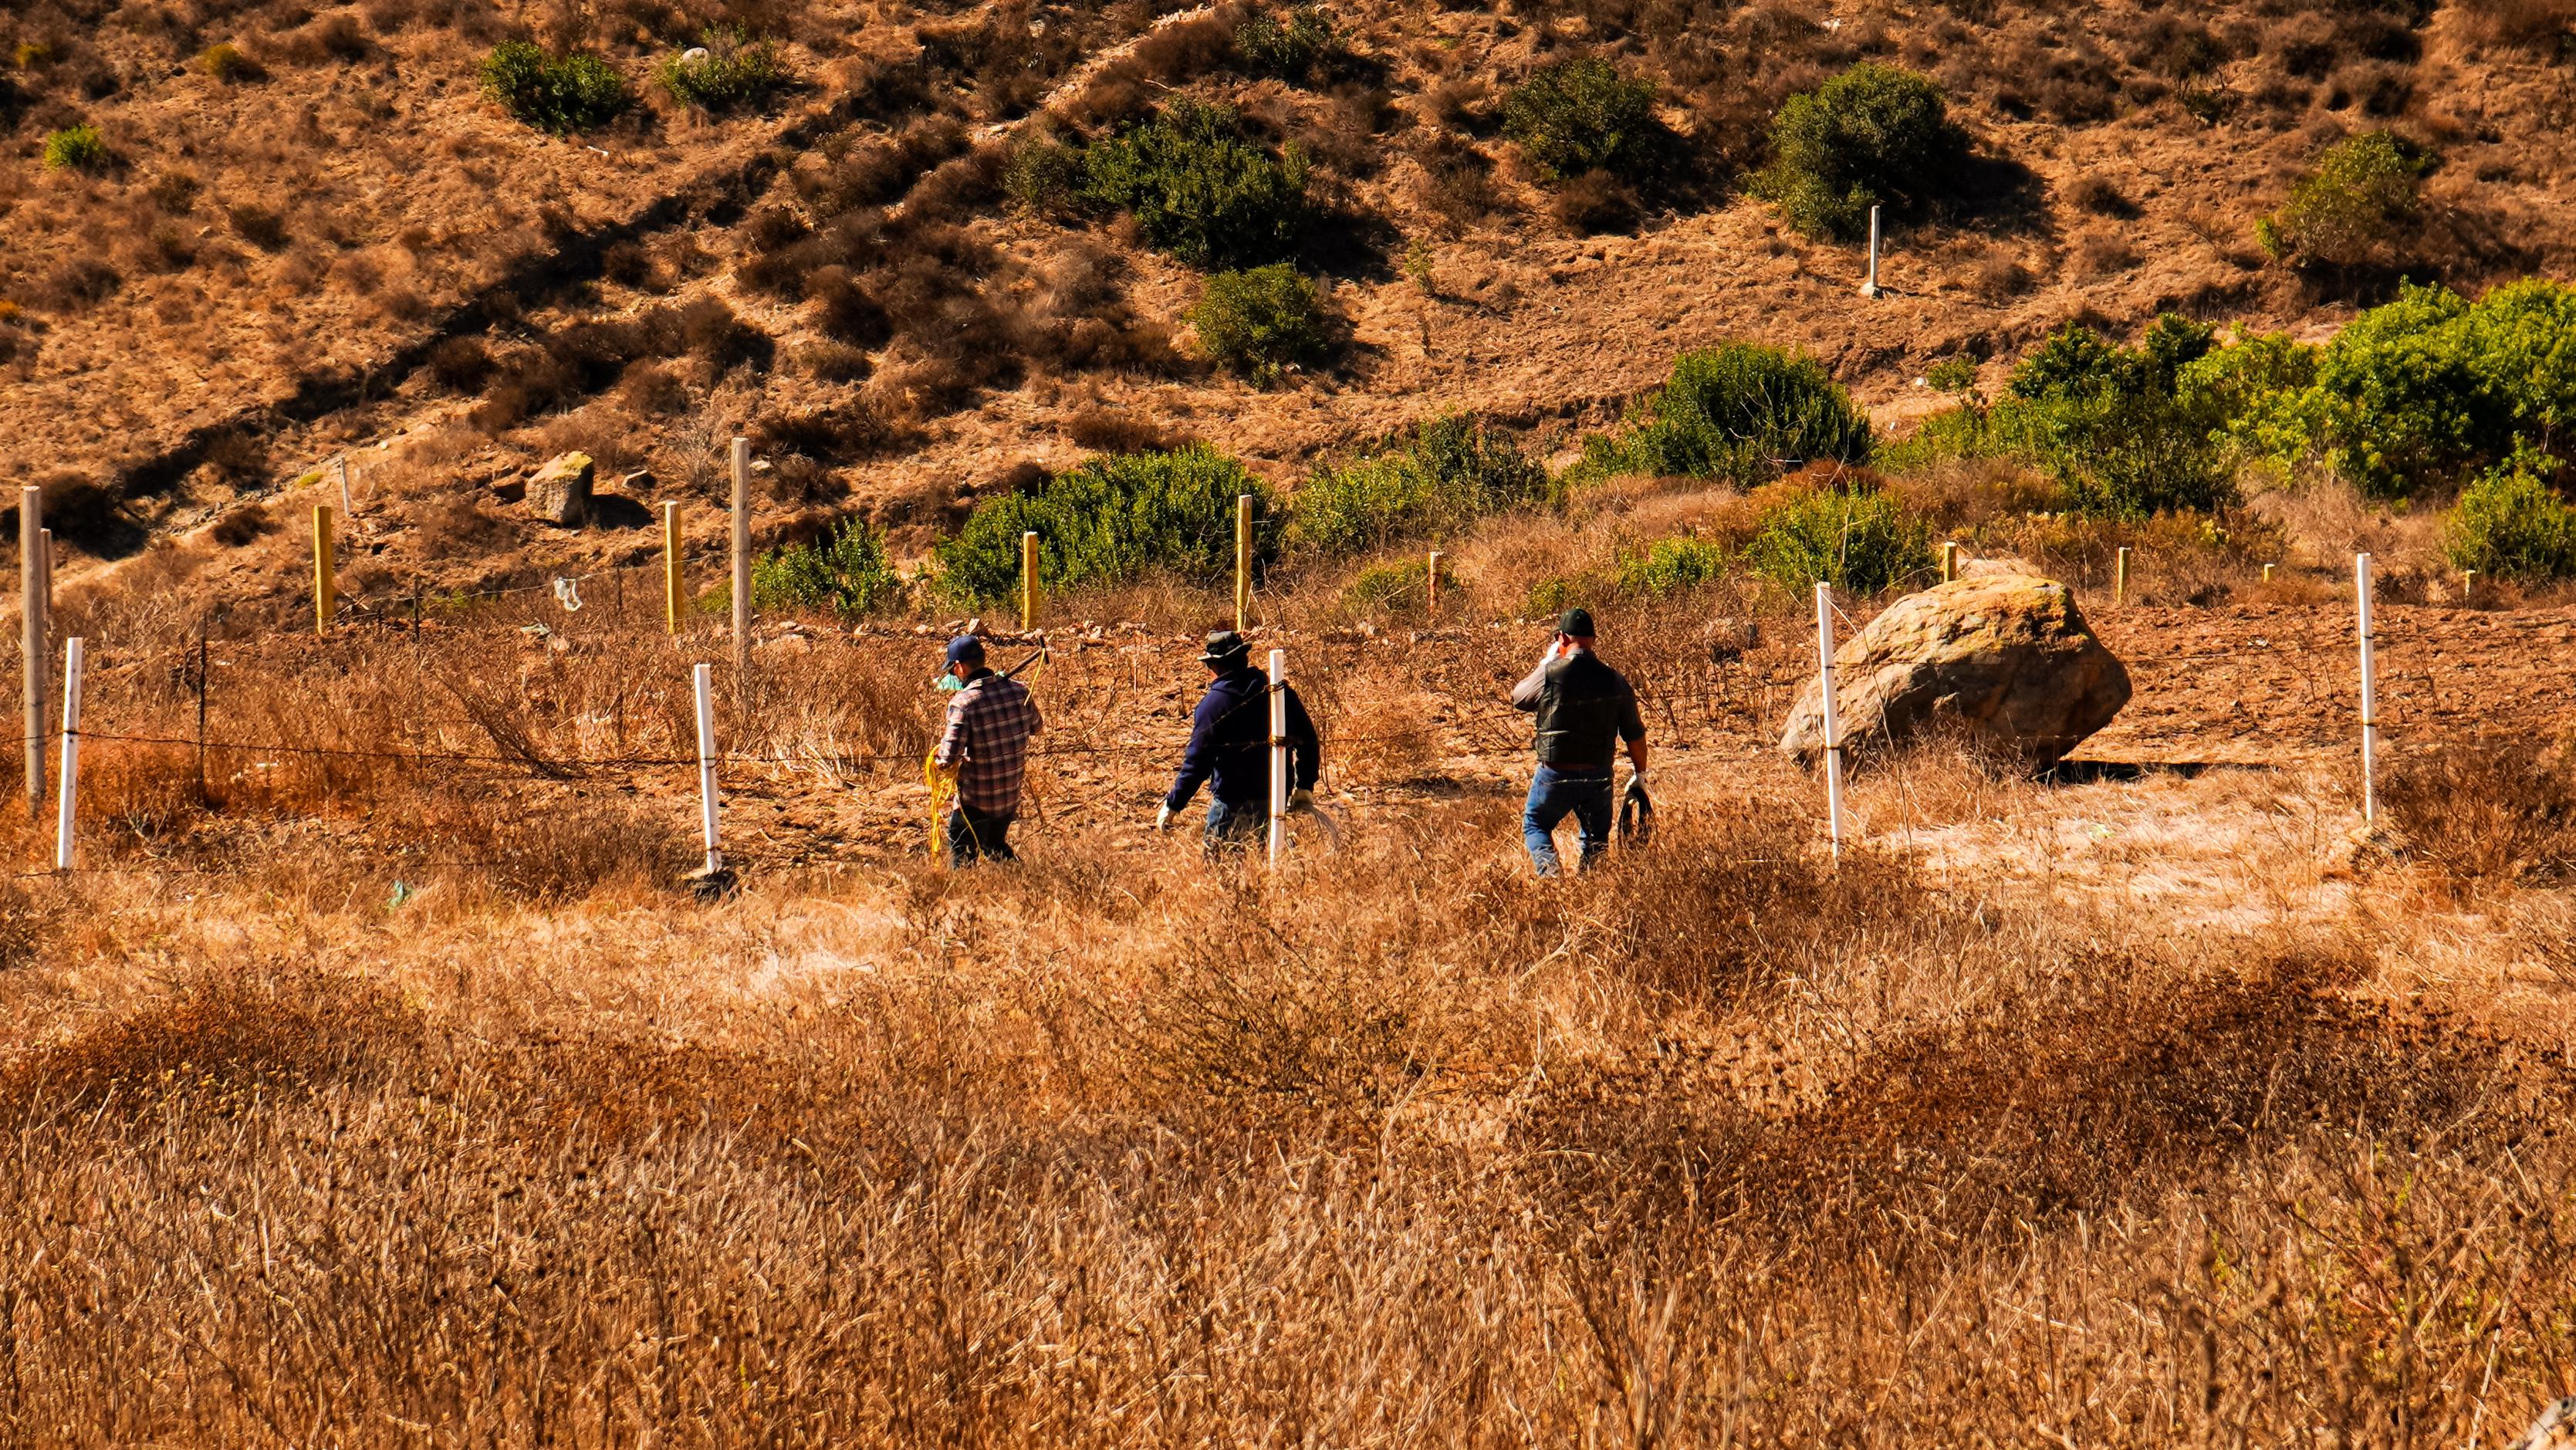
(846, 571)
(1044, 177)
(1400, 588)
(2429, 390)
(1111, 520)
(735, 71)
(1262, 322)
(2116, 426)
(2510, 524)
(1672, 566)
(226, 63)
(1582, 115)
(1449, 473)
(1200, 188)
(75, 148)
(1855, 537)
(2355, 209)
(1734, 412)
(1290, 49)
(561, 96)
(1874, 135)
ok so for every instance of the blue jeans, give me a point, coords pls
(1236, 827)
(1553, 794)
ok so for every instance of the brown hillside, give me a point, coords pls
(358, 248)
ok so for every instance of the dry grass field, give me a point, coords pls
(390, 1091)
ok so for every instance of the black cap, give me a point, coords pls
(1225, 645)
(1575, 622)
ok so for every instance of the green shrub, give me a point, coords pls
(1874, 135)
(735, 71)
(1111, 520)
(1262, 322)
(1582, 115)
(1200, 188)
(846, 571)
(561, 96)
(1449, 473)
(1290, 49)
(1734, 412)
(1852, 537)
(1672, 566)
(2355, 209)
(226, 63)
(2510, 524)
(1400, 588)
(2428, 390)
(75, 148)
(1044, 177)
(2116, 426)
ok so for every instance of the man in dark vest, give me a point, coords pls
(1585, 709)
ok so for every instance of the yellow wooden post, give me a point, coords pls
(2468, 585)
(1431, 583)
(1949, 562)
(325, 589)
(671, 566)
(2120, 577)
(1029, 581)
(1242, 562)
(2267, 573)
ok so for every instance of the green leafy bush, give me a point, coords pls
(2116, 426)
(736, 70)
(1582, 115)
(2355, 209)
(1734, 412)
(1874, 135)
(1045, 176)
(1449, 473)
(2510, 524)
(558, 95)
(1111, 520)
(1262, 322)
(75, 148)
(1400, 588)
(846, 570)
(1672, 566)
(1851, 536)
(1200, 188)
(1288, 49)
(227, 63)
(2428, 390)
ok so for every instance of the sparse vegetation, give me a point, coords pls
(1200, 188)
(2511, 524)
(1583, 115)
(1112, 520)
(845, 571)
(558, 94)
(2355, 209)
(228, 63)
(1741, 412)
(1289, 48)
(736, 70)
(2118, 427)
(76, 147)
(1874, 135)
(1849, 533)
(1261, 323)
(1673, 565)
(1450, 472)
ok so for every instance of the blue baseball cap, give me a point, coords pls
(965, 649)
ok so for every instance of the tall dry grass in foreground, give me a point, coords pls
(1722, 1145)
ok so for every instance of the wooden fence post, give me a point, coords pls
(31, 605)
(741, 569)
(326, 602)
(671, 566)
(1028, 581)
(2120, 577)
(1949, 562)
(1431, 584)
(1242, 562)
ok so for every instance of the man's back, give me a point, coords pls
(992, 719)
(1584, 708)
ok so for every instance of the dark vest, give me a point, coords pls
(1580, 706)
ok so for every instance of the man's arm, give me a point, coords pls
(1200, 758)
(1525, 694)
(1632, 728)
(1305, 749)
(952, 743)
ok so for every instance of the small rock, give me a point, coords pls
(559, 492)
(788, 644)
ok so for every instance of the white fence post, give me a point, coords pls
(2369, 694)
(72, 653)
(704, 677)
(1833, 731)
(1278, 754)
(1871, 288)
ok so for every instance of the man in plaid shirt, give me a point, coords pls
(990, 720)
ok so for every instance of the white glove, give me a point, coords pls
(1163, 818)
(1303, 800)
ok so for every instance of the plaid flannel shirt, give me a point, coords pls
(989, 725)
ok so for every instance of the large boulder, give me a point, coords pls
(2004, 657)
(559, 492)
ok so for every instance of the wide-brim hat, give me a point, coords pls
(1225, 645)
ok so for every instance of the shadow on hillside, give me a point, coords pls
(1999, 196)
(2087, 772)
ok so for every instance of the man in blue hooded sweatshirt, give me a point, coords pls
(1230, 749)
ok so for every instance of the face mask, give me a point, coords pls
(950, 684)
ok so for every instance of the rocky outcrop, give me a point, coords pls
(559, 492)
(2004, 658)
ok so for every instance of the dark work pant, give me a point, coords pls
(1236, 827)
(971, 833)
(1553, 795)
